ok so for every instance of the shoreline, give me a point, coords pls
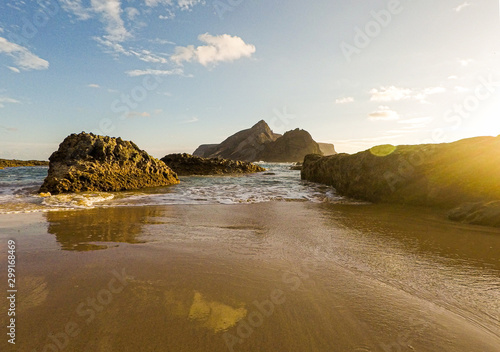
(351, 276)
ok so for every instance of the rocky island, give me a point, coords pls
(87, 162)
(260, 143)
(189, 165)
(464, 174)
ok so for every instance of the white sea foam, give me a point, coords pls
(81, 200)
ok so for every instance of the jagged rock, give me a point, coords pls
(444, 175)
(293, 146)
(244, 145)
(205, 150)
(19, 163)
(327, 149)
(86, 162)
(187, 165)
(260, 143)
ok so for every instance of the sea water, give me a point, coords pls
(19, 191)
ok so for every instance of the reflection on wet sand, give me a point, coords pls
(214, 315)
(86, 230)
(203, 281)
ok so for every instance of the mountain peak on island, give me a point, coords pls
(260, 143)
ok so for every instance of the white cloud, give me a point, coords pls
(222, 48)
(170, 15)
(148, 56)
(110, 11)
(346, 100)
(161, 41)
(453, 77)
(392, 93)
(112, 47)
(135, 73)
(76, 8)
(188, 4)
(191, 120)
(132, 13)
(462, 6)
(93, 85)
(383, 113)
(23, 58)
(7, 100)
(14, 69)
(421, 96)
(133, 114)
(153, 3)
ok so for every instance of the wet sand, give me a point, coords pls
(273, 276)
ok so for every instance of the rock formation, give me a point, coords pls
(19, 163)
(327, 149)
(188, 165)
(445, 175)
(260, 143)
(244, 145)
(293, 146)
(86, 162)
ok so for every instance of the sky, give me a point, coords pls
(173, 74)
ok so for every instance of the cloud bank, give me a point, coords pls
(222, 48)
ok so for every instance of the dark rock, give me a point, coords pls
(19, 163)
(445, 175)
(244, 145)
(486, 214)
(187, 165)
(205, 149)
(260, 143)
(86, 162)
(292, 147)
(327, 149)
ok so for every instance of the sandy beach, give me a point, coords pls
(276, 276)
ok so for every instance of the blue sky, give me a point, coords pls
(173, 74)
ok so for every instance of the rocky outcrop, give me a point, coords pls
(445, 175)
(327, 149)
(487, 214)
(188, 165)
(260, 143)
(293, 146)
(245, 145)
(205, 149)
(19, 163)
(86, 162)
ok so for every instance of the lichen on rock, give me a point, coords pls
(87, 162)
(188, 165)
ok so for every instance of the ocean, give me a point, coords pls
(19, 186)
